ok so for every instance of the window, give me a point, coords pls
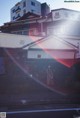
(39, 56)
(13, 10)
(18, 9)
(32, 3)
(14, 18)
(32, 10)
(57, 15)
(24, 4)
(18, 15)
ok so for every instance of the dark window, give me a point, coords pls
(32, 10)
(38, 56)
(18, 8)
(24, 4)
(57, 15)
(18, 15)
(33, 3)
(13, 10)
(14, 18)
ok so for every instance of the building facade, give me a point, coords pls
(67, 22)
(45, 9)
(52, 61)
(60, 22)
(23, 7)
(49, 61)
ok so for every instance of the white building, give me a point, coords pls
(65, 14)
(53, 47)
(69, 22)
(64, 50)
(24, 7)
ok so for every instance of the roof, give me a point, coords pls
(15, 41)
(52, 43)
(66, 9)
(32, 42)
(73, 40)
(21, 22)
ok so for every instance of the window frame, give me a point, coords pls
(33, 3)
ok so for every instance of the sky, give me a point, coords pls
(6, 5)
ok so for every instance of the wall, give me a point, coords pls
(36, 8)
(39, 54)
(65, 14)
(15, 13)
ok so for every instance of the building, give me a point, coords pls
(65, 22)
(45, 9)
(53, 47)
(65, 51)
(23, 7)
(36, 81)
(39, 57)
(59, 21)
(41, 49)
(62, 23)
